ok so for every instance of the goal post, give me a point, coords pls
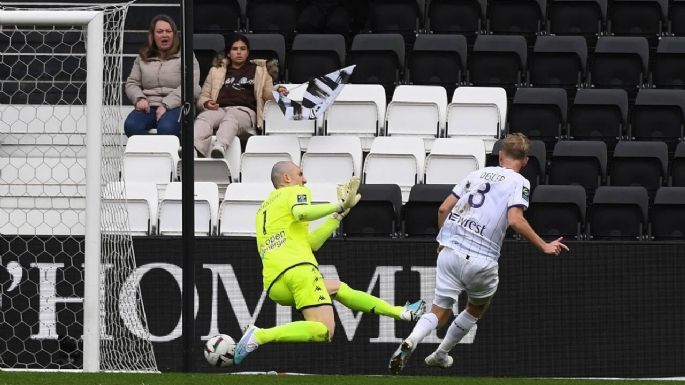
(100, 29)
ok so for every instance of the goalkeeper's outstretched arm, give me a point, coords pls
(313, 212)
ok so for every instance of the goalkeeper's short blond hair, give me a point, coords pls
(515, 146)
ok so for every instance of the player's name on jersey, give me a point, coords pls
(493, 177)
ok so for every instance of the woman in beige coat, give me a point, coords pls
(154, 85)
(232, 99)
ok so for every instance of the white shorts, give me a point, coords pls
(476, 275)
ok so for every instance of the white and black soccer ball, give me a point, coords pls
(219, 350)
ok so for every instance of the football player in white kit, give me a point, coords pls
(473, 221)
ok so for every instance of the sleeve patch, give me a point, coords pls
(301, 198)
(525, 193)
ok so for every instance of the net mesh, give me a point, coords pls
(43, 125)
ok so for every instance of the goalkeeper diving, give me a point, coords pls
(290, 271)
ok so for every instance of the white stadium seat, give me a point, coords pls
(417, 111)
(238, 210)
(262, 152)
(140, 201)
(395, 160)
(477, 112)
(359, 110)
(332, 159)
(451, 159)
(206, 209)
(151, 158)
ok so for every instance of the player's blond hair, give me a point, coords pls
(515, 146)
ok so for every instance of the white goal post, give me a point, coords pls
(98, 106)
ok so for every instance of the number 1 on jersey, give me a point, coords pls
(264, 222)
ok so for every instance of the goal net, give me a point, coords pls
(66, 260)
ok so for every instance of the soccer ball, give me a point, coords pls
(219, 350)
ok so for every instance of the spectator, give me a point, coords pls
(154, 85)
(232, 98)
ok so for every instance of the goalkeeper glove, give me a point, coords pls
(347, 194)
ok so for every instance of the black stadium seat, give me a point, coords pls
(377, 214)
(620, 62)
(206, 47)
(619, 213)
(557, 211)
(216, 16)
(598, 114)
(465, 17)
(379, 59)
(639, 164)
(438, 60)
(539, 113)
(658, 115)
(558, 61)
(517, 17)
(268, 46)
(577, 17)
(314, 55)
(498, 61)
(579, 162)
(645, 18)
(667, 216)
(669, 64)
(272, 16)
(420, 213)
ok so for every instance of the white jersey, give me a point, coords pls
(478, 222)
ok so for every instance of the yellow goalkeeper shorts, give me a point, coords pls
(301, 286)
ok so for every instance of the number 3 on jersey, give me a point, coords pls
(475, 203)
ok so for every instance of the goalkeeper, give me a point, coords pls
(290, 273)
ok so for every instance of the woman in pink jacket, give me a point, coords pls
(154, 85)
(232, 99)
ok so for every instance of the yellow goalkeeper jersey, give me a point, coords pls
(281, 239)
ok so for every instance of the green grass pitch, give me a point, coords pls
(41, 378)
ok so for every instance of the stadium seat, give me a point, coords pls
(639, 164)
(644, 18)
(377, 214)
(379, 58)
(358, 110)
(620, 62)
(275, 122)
(420, 213)
(394, 16)
(619, 213)
(558, 211)
(206, 47)
(140, 14)
(678, 166)
(417, 111)
(658, 115)
(150, 158)
(239, 207)
(216, 16)
(477, 112)
(669, 63)
(464, 17)
(438, 60)
(536, 169)
(498, 61)
(268, 46)
(206, 209)
(217, 171)
(558, 61)
(577, 17)
(598, 115)
(272, 16)
(140, 200)
(539, 113)
(262, 152)
(395, 160)
(579, 162)
(332, 159)
(314, 55)
(517, 17)
(677, 17)
(667, 215)
(451, 159)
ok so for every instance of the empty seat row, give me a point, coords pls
(615, 212)
(620, 17)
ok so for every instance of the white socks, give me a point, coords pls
(423, 327)
(457, 330)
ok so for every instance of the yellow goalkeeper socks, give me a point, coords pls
(361, 301)
(298, 331)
